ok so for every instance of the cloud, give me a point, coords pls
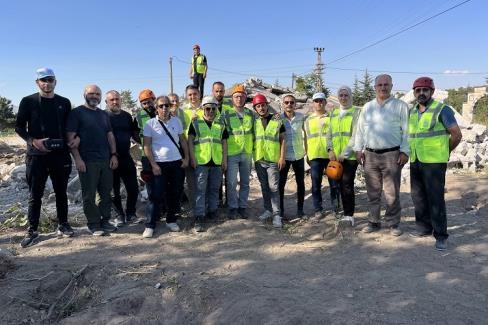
(456, 71)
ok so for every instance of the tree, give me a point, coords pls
(128, 103)
(456, 97)
(6, 109)
(357, 97)
(307, 84)
(367, 90)
(480, 111)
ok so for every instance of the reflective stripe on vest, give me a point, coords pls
(316, 130)
(267, 141)
(200, 67)
(240, 133)
(208, 142)
(428, 138)
(341, 130)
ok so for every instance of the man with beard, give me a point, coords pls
(218, 91)
(433, 134)
(381, 146)
(41, 119)
(95, 159)
(269, 157)
(124, 128)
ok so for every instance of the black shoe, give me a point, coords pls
(300, 213)
(441, 244)
(242, 213)
(65, 230)
(199, 224)
(420, 233)
(119, 221)
(233, 214)
(97, 231)
(130, 218)
(371, 227)
(29, 238)
(212, 215)
(107, 226)
(396, 231)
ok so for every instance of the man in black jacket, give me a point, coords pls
(41, 122)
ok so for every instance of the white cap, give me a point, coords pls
(44, 73)
(318, 96)
(209, 100)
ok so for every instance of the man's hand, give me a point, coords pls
(39, 144)
(224, 165)
(281, 163)
(360, 157)
(114, 162)
(276, 116)
(193, 163)
(402, 159)
(80, 165)
(75, 143)
(184, 163)
(156, 169)
(191, 75)
(341, 158)
(332, 156)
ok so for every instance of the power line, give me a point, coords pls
(398, 33)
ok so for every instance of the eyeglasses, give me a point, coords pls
(343, 95)
(320, 100)
(419, 90)
(288, 102)
(210, 108)
(163, 105)
(48, 79)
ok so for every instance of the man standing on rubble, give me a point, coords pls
(433, 134)
(124, 128)
(41, 122)
(381, 146)
(198, 69)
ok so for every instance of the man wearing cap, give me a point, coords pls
(316, 126)
(269, 157)
(295, 152)
(239, 123)
(95, 159)
(207, 143)
(198, 69)
(433, 134)
(381, 145)
(340, 142)
(41, 122)
(124, 128)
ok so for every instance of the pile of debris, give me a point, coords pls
(472, 152)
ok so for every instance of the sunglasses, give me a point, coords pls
(210, 108)
(48, 79)
(163, 105)
(319, 100)
(289, 102)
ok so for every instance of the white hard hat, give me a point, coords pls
(209, 100)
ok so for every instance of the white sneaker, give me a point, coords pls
(277, 221)
(265, 215)
(173, 226)
(148, 233)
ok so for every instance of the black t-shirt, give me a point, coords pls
(265, 121)
(92, 127)
(124, 128)
(225, 135)
(39, 117)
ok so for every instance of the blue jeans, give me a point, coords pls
(317, 167)
(269, 178)
(208, 180)
(164, 187)
(241, 164)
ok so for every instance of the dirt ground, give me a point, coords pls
(246, 272)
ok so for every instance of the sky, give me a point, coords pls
(126, 45)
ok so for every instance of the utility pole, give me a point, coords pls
(293, 76)
(171, 74)
(319, 67)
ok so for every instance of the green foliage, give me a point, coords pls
(480, 111)
(456, 97)
(128, 103)
(307, 84)
(363, 90)
(7, 116)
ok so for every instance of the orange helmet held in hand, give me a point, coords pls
(334, 170)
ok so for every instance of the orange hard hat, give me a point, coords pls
(238, 89)
(146, 94)
(334, 170)
(259, 99)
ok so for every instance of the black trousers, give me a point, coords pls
(58, 167)
(126, 171)
(299, 169)
(199, 81)
(347, 186)
(427, 183)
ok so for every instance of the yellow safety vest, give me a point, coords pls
(240, 132)
(428, 138)
(341, 130)
(208, 142)
(200, 66)
(267, 141)
(316, 130)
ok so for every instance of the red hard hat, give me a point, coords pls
(259, 99)
(424, 82)
(334, 170)
(196, 46)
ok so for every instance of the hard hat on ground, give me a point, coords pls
(334, 170)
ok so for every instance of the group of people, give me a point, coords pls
(192, 149)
